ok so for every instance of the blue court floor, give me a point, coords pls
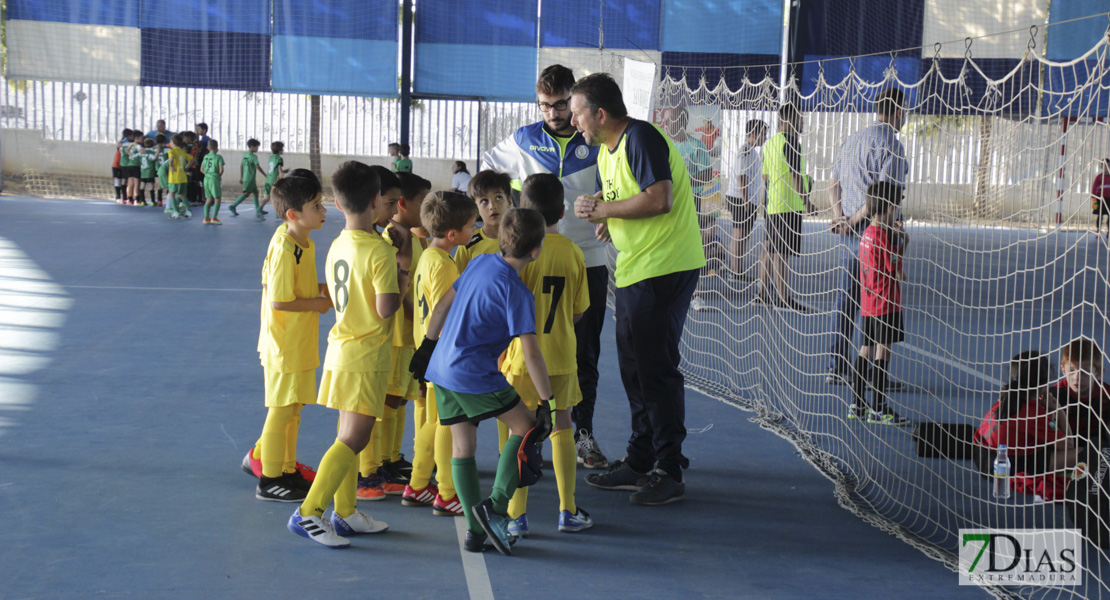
(130, 390)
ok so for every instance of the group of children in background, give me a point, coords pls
(188, 169)
(486, 333)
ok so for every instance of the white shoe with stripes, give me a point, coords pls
(356, 523)
(280, 489)
(316, 529)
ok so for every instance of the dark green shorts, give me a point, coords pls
(458, 407)
(250, 187)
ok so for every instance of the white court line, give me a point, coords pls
(257, 290)
(955, 365)
(474, 566)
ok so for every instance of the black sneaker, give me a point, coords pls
(496, 526)
(297, 480)
(660, 489)
(404, 466)
(391, 472)
(476, 542)
(619, 477)
(280, 489)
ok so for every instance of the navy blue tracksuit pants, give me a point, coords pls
(650, 317)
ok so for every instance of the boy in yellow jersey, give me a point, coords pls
(449, 218)
(178, 177)
(371, 485)
(366, 288)
(558, 282)
(469, 329)
(402, 387)
(292, 301)
(492, 192)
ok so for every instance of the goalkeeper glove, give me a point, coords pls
(545, 419)
(418, 366)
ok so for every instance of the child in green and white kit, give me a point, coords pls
(247, 169)
(213, 169)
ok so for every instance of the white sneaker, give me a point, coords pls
(357, 523)
(698, 304)
(316, 529)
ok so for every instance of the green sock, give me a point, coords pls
(238, 201)
(215, 209)
(257, 208)
(207, 211)
(465, 473)
(508, 476)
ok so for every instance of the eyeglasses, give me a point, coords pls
(560, 105)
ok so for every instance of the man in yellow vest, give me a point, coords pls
(787, 198)
(645, 203)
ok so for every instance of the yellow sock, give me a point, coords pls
(388, 423)
(292, 429)
(518, 504)
(273, 440)
(257, 452)
(370, 458)
(444, 441)
(423, 447)
(345, 495)
(334, 467)
(419, 416)
(398, 433)
(564, 460)
(502, 434)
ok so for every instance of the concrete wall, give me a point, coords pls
(25, 151)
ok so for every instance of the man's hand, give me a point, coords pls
(585, 207)
(602, 232)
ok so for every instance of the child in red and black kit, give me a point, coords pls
(1031, 423)
(1100, 197)
(880, 269)
(1083, 395)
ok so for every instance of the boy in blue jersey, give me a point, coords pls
(460, 352)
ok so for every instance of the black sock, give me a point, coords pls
(159, 196)
(119, 192)
(878, 385)
(142, 195)
(860, 375)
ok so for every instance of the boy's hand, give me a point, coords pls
(396, 238)
(323, 304)
(418, 366)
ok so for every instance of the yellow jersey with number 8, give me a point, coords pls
(360, 266)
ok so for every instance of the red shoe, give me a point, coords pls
(447, 508)
(251, 465)
(422, 497)
(370, 488)
(307, 472)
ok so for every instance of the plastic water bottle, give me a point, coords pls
(1001, 474)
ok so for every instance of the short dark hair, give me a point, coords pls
(411, 184)
(754, 125)
(543, 192)
(601, 92)
(404, 149)
(292, 193)
(1081, 351)
(178, 139)
(883, 196)
(213, 145)
(355, 184)
(306, 173)
(789, 112)
(522, 231)
(126, 133)
(888, 101)
(148, 143)
(443, 211)
(253, 142)
(555, 79)
(387, 180)
(277, 147)
(160, 138)
(189, 135)
(203, 125)
(487, 182)
(395, 145)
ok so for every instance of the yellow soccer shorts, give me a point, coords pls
(363, 393)
(565, 387)
(286, 389)
(401, 383)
